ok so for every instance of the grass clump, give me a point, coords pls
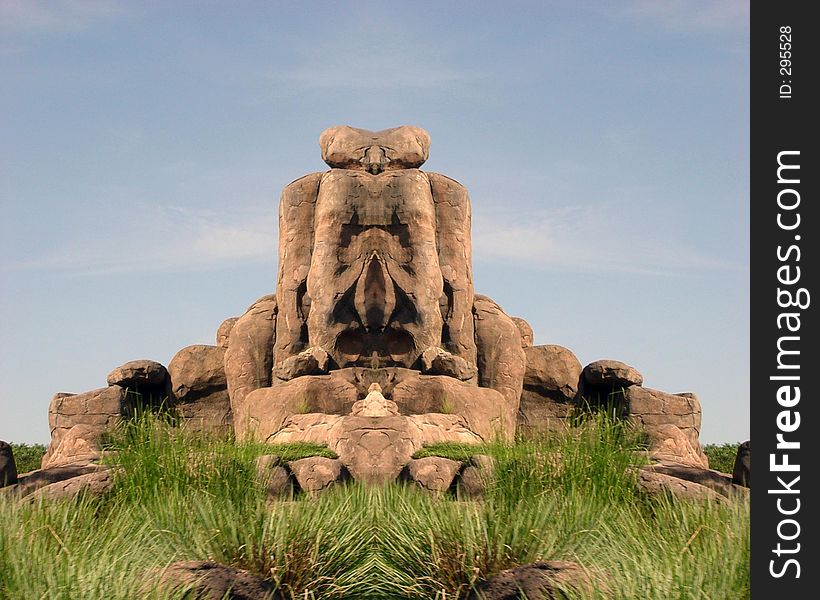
(178, 496)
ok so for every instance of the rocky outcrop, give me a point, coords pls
(527, 337)
(612, 374)
(81, 443)
(550, 389)
(668, 443)
(431, 473)
(138, 373)
(317, 473)
(223, 334)
(475, 476)
(653, 482)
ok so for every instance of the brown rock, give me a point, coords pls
(271, 472)
(742, 472)
(8, 468)
(432, 473)
(527, 337)
(436, 361)
(100, 409)
(81, 443)
(714, 480)
(223, 334)
(95, 483)
(653, 482)
(553, 372)
(249, 356)
(612, 373)
(27, 483)
(669, 443)
(538, 414)
(650, 409)
(137, 373)
(207, 580)
(313, 361)
(500, 358)
(543, 580)
(199, 387)
(317, 473)
(403, 147)
(476, 475)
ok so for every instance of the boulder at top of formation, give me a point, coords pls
(552, 370)
(8, 468)
(138, 372)
(612, 373)
(223, 334)
(199, 388)
(525, 330)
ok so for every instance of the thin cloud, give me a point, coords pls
(59, 16)
(168, 239)
(561, 240)
(691, 16)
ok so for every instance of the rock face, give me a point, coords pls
(654, 411)
(550, 388)
(742, 472)
(98, 409)
(200, 388)
(8, 468)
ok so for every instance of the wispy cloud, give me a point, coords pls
(589, 239)
(167, 239)
(57, 15)
(692, 15)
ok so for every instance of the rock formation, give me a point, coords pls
(375, 342)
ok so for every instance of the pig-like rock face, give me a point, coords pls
(403, 147)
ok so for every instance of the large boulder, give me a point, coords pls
(655, 483)
(8, 468)
(317, 473)
(95, 483)
(208, 580)
(223, 334)
(714, 480)
(432, 473)
(200, 390)
(30, 482)
(525, 330)
(476, 475)
(138, 373)
(81, 443)
(611, 373)
(742, 472)
(99, 409)
(249, 356)
(668, 443)
(651, 410)
(550, 389)
(542, 580)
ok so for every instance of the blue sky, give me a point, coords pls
(144, 146)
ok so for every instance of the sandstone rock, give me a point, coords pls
(374, 449)
(249, 356)
(137, 373)
(81, 443)
(525, 330)
(432, 473)
(436, 361)
(199, 388)
(669, 443)
(543, 580)
(28, 483)
(317, 473)
(100, 409)
(742, 472)
(476, 475)
(95, 483)
(653, 482)
(539, 415)
(403, 147)
(312, 361)
(223, 334)
(271, 472)
(714, 480)
(553, 372)
(613, 373)
(8, 468)
(650, 409)
(207, 580)
(375, 404)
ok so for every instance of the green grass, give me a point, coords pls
(27, 457)
(180, 497)
(721, 456)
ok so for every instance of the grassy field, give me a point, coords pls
(179, 497)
